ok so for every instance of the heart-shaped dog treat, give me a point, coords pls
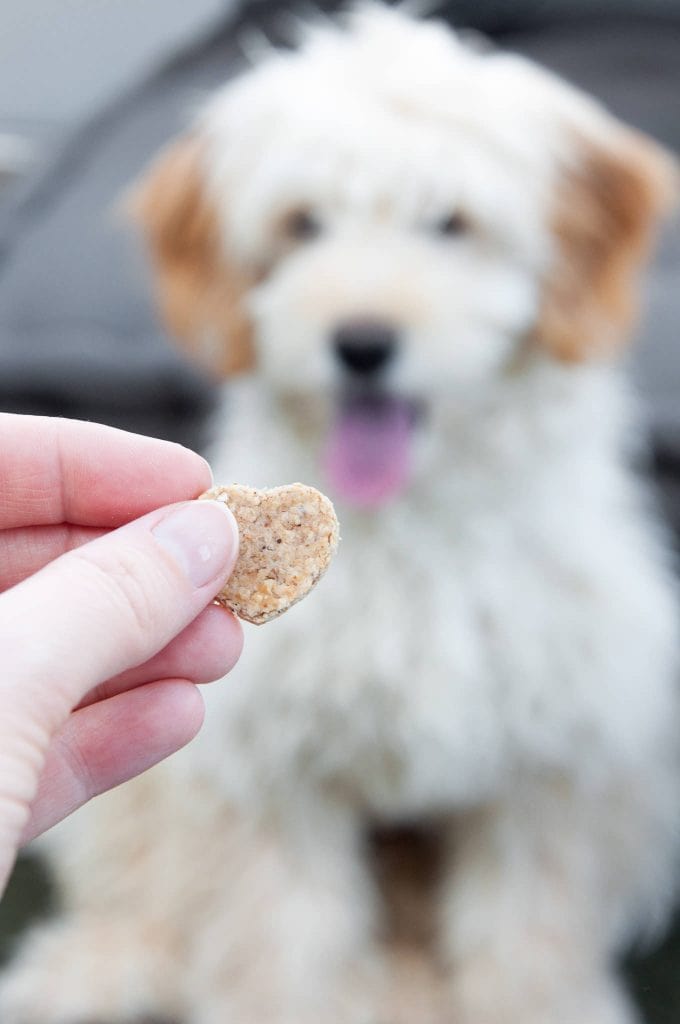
(288, 536)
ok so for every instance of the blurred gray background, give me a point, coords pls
(62, 60)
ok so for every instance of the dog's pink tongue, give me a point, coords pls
(368, 455)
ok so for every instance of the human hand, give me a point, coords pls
(106, 623)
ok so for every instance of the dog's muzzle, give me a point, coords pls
(365, 348)
(367, 459)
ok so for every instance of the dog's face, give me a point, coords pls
(395, 250)
(388, 219)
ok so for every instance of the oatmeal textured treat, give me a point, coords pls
(287, 538)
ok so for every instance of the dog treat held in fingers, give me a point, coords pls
(288, 536)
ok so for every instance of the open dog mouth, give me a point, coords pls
(368, 455)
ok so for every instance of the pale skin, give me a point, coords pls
(106, 615)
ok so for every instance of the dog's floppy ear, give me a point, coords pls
(200, 293)
(607, 206)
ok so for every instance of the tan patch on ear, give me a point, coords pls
(200, 294)
(606, 211)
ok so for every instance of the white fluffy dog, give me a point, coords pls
(429, 254)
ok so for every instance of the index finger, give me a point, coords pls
(65, 471)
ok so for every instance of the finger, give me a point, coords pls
(90, 615)
(108, 743)
(26, 549)
(55, 471)
(206, 650)
(112, 604)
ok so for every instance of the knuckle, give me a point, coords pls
(125, 582)
(125, 585)
(72, 757)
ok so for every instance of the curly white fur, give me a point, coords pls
(493, 655)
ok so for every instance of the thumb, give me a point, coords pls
(111, 604)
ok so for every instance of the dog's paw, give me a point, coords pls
(75, 972)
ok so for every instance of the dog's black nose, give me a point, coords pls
(365, 346)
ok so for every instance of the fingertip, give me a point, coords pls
(232, 526)
(238, 638)
(169, 713)
(184, 711)
(230, 647)
(195, 465)
(204, 474)
(202, 539)
(211, 475)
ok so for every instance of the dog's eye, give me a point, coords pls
(454, 224)
(301, 225)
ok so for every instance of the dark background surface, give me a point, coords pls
(78, 334)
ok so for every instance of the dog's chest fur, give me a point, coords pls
(499, 617)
